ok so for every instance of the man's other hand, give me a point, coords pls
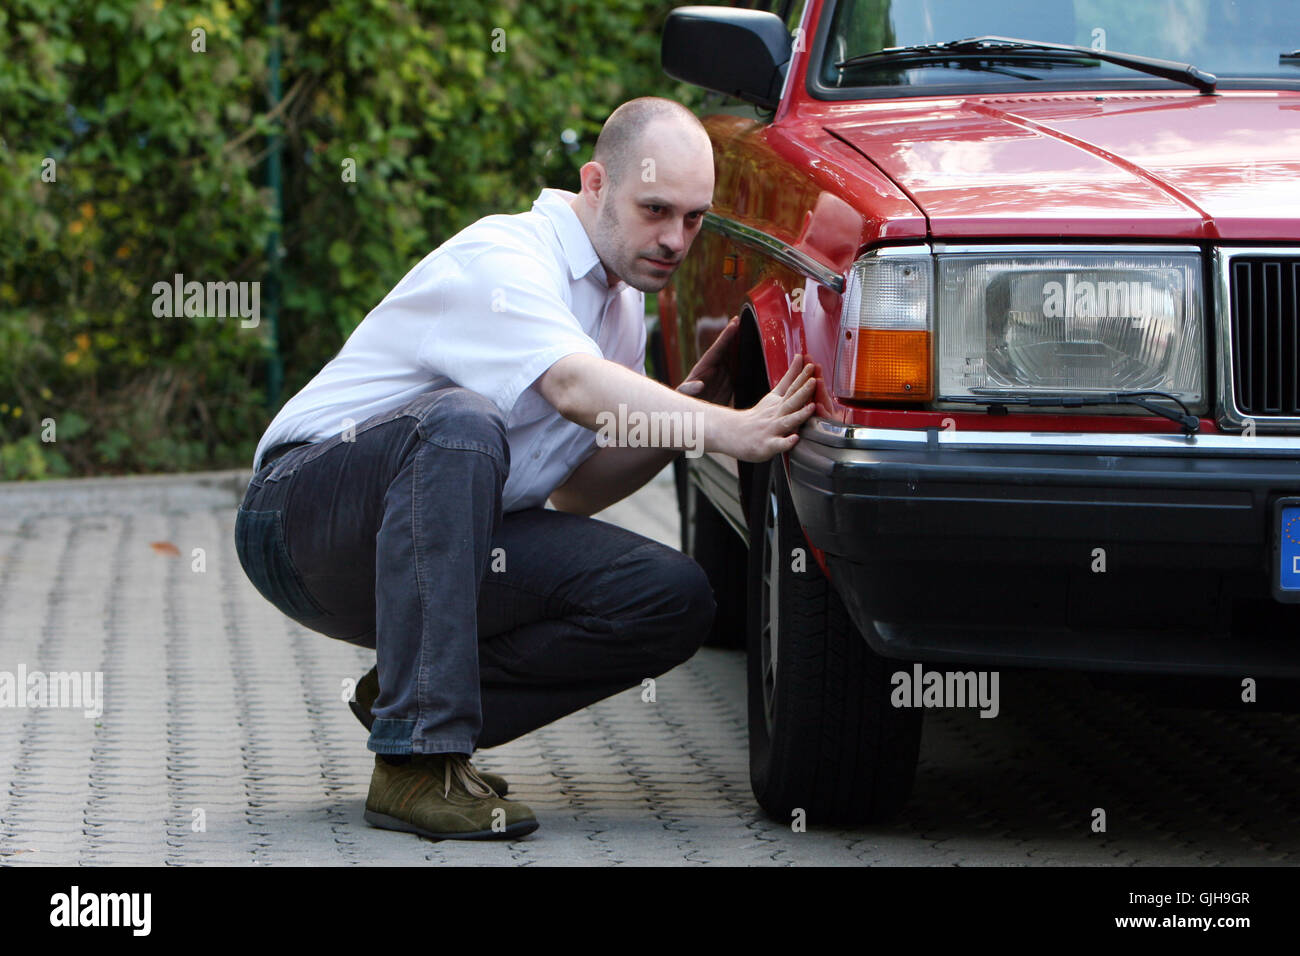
(710, 380)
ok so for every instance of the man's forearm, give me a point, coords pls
(645, 414)
(581, 387)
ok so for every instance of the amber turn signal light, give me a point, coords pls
(888, 364)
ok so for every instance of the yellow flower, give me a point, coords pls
(83, 341)
(71, 358)
(123, 252)
(76, 228)
(4, 407)
(18, 411)
(87, 210)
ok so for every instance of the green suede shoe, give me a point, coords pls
(364, 698)
(442, 797)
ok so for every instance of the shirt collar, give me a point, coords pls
(578, 250)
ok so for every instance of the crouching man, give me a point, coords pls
(398, 499)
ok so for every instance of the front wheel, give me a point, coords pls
(823, 736)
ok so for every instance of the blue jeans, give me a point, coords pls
(486, 625)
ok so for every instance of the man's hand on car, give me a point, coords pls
(771, 427)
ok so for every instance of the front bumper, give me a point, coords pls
(1147, 553)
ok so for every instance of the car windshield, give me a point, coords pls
(1255, 39)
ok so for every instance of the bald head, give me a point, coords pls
(620, 146)
(646, 191)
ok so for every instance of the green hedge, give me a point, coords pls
(128, 156)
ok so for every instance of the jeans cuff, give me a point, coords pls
(392, 735)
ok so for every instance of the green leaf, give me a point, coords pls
(339, 252)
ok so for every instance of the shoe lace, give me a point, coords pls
(458, 766)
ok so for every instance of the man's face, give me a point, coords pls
(648, 218)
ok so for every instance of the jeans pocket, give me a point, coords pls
(260, 544)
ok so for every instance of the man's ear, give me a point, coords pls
(594, 180)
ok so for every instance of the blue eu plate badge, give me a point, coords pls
(1286, 553)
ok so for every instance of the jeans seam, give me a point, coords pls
(418, 552)
(460, 444)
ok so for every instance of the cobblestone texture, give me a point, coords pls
(224, 738)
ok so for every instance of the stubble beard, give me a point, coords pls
(621, 261)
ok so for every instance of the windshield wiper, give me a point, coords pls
(989, 46)
(1191, 424)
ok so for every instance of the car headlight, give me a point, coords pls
(1080, 322)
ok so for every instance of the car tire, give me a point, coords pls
(717, 549)
(823, 735)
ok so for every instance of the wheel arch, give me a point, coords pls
(763, 357)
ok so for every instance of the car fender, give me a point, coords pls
(767, 307)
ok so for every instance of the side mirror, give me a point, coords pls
(742, 53)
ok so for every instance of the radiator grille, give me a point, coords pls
(1263, 292)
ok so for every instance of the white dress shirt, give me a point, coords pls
(490, 309)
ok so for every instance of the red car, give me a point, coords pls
(1053, 289)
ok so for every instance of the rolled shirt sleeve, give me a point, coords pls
(500, 321)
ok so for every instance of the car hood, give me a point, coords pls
(1120, 165)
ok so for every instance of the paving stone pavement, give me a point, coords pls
(224, 738)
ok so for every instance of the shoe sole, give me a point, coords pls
(384, 822)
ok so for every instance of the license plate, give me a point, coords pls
(1286, 549)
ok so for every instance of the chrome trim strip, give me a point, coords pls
(1227, 414)
(717, 482)
(838, 435)
(781, 251)
(1054, 248)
